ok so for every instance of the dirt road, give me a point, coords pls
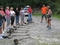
(36, 34)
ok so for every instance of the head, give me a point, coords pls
(22, 8)
(16, 8)
(48, 7)
(11, 8)
(43, 5)
(27, 6)
(1, 7)
(7, 7)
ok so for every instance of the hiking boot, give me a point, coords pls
(47, 26)
(24, 23)
(41, 22)
(21, 24)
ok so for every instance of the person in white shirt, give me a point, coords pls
(12, 14)
(22, 11)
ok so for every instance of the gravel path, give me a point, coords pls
(36, 34)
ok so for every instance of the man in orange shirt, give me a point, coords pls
(44, 10)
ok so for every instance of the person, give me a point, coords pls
(49, 16)
(30, 14)
(7, 12)
(4, 19)
(22, 11)
(44, 10)
(1, 21)
(12, 15)
(26, 10)
(17, 16)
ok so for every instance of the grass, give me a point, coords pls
(54, 15)
(37, 14)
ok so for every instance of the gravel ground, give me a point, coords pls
(36, 34)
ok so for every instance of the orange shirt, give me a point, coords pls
(44, 10)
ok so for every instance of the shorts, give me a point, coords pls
(0, 24)
(4, 19)
(44, 16)
(22, 17)
(49, 16)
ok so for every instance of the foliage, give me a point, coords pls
(34, 3)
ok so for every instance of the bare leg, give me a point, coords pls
(46, 19)
(49, 23)
(0, 30)
(41, 19)
(21, 22)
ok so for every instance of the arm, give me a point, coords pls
(49, 12)
(7, 12)
(14, 13)
(20, 12)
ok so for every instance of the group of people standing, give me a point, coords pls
(9, 16)
(47, 13)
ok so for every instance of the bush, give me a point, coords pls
(58, 11)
